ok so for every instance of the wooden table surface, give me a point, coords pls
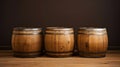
(111, 60)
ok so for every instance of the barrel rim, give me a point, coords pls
(26, 29)
(92, 28)
(59, 28)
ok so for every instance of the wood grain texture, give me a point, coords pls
(59, 42)
(26, 43)
(112, 59)
(92, 43)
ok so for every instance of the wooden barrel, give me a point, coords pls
(26, 42)
(92, 42)
(59, 41)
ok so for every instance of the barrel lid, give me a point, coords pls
(58, 28)
(26, 29)
(92, 29)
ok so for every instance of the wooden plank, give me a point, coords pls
(111, 60)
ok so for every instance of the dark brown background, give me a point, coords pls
(68, 13)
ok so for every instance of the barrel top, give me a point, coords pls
(58, 28)
(26, 29)
(92, 29)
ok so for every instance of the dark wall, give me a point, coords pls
(68, 13)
